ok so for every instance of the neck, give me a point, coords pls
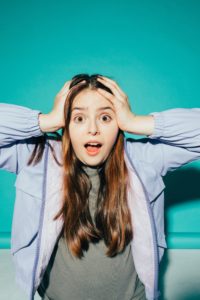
(92, 170)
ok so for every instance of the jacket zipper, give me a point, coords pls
(156, 294)
(40, 223)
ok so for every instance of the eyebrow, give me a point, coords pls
(86, 108)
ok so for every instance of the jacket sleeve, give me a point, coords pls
(175, 140)
(17, 123)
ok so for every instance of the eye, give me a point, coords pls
(77, 119)
(106, 117)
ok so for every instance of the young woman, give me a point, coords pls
(89, 212)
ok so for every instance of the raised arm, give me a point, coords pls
(17, 123)
(174, 140)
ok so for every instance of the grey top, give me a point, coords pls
(95, 276)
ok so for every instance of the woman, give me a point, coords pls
(88, 219)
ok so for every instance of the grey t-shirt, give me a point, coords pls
(95, 276)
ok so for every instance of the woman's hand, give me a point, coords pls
(54, 120)
(57, 112)
(126, 119)
(120, 103)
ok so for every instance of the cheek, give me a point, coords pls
(70, 129)
(72, 135)
(73, 131)
(75, 145)
(76, 130)
(111, 135)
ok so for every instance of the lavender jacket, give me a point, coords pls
(174, 143)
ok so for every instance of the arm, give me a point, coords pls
(16, 123)
(178, 127)
(48, 122)
(174, 141)
(140, 124)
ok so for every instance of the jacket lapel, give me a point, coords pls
(152, 181)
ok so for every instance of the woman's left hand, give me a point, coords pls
(120, 102)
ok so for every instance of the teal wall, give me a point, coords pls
(151, 48)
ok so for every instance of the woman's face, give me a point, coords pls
(92, 119)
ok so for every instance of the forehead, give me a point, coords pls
(90, 98)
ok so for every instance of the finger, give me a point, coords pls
(113, 88)
(67, 83)
(120, 91)
(110, 83)
(65, 88)
(106, 94)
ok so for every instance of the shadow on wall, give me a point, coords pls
(182, 186)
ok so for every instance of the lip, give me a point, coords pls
(93, 141)
(93, 153)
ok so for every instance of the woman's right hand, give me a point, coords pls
(55, 119)
(59, 103)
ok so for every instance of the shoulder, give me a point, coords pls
(30, 146)
(145, 150)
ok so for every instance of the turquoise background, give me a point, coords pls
(151, 49)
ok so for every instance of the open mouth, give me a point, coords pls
(92, 145)
(93, 148)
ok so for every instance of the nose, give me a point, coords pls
(93, 127)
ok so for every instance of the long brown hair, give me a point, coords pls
(112, 219)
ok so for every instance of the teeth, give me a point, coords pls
(93, 144)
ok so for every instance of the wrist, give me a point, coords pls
(141, 124)
(129, 125)
(47, 122)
